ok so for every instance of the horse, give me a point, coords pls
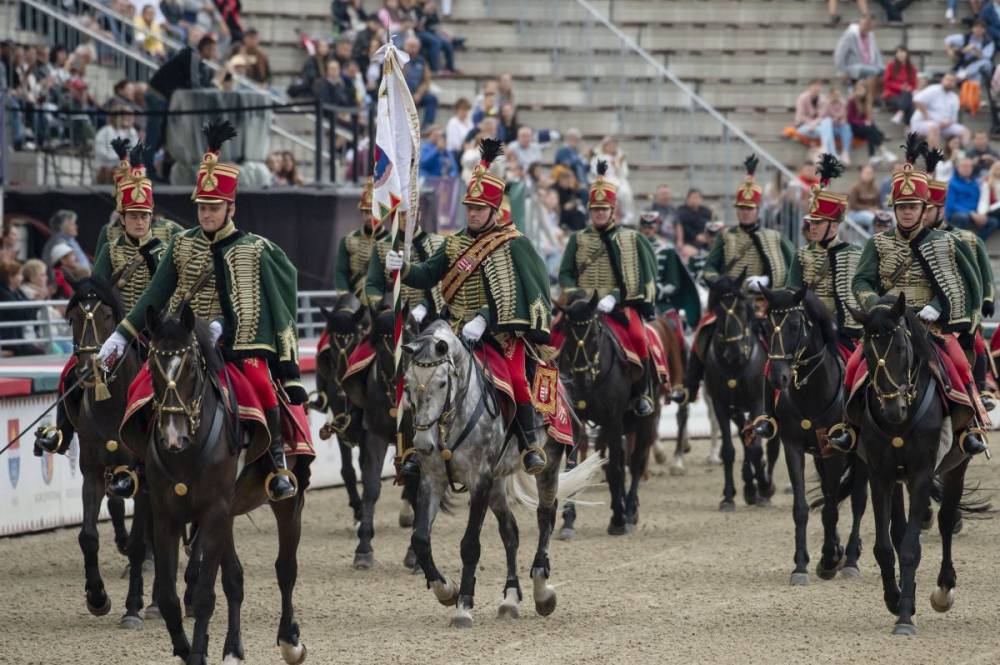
(671, 337)
(461, 435)
(94, 310)
(193, 474)
(734, 368)
(347, 323)
(807, 372)
(903, 426)
(598, 379)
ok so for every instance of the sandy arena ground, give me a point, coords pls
(690, 586)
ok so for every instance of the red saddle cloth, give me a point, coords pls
(324, 342)
(70, 364)
(995, 343)
(360, 358)
(633, 355)
(294, 422)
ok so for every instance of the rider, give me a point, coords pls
(355, 252)
(421, 301)
(494, 284)
(241, 283)
(763, 254)
(675, 289)
(932, 269)
(618, 265)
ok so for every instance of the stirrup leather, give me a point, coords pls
(280, 472)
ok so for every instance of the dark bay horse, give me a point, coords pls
(347, 323)
(807, 372)
(903, 427)
(677, 351)
(193, 458)
(734, 379)
(598, 380)
(93, 313)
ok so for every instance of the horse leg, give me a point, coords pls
(728, 457)
(615, 473)
(909, 554)
(136, 557)
(411, 485)
(166, 536)
(683, 444)
(511, 540)
(830, 471)
(478, 503)
(773, 447)
(795, 461)
(97, 599)
(885, 554)
(568, 532)
(859, 501)
(428, 503)
(406, 498)
(350, 479)
(232, 586)
(898, 520)
(288, 515)
(714, 432)
(548, 485)
(372, 461)
(192, 571)
(116, 509)
(645, 435)
(953, 483)
(216, 534)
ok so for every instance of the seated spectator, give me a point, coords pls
(470, 153)
(894, 9)
(981, 154)
(313, 71)
(35, 280)
(394, 18)
(987, 219)
(10, 242)
(972, 53)
(864, 199)
(572, 213)
(418, 78)
(342, 51)
(508, 125)
(148, 32)
(120, 125)
(229, 10)
(836, 110)
(953, 151)
(831, 10)
(525, 148)
(569, 156)
(692, 218)
(668, 213)
(898, 84)
(275, 165)
(936, 114)
(334, 91)
(458, 127)
(432, 44)
(809, 120)
(962, 205)
(430, 21)
(857, 56)
(363, 40)
(66, 269)
(859, 115)
(175, 24)
(63, 225)
(505, 89)
(289, 169)
(35, 286)
(185, 70)
(486, 107)
(435, 159)
(10, 282)
(259, 66)
(990, 15)
(348, 16)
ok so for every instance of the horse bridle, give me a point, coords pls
(907, 390)
(343, 343)
(163, 406)
(797, 357)
(591, 365)
(730, 313)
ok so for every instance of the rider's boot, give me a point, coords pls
(56, 438)
(979, 366)
(973, 442)
(532, 458)
(125, 481)
(843, 436)
(280, 483)
(642, 397)
(765, 425)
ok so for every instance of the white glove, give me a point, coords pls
(928, 314)
(474, 329)
(418, 313)
(667, 289)
(112, 348)
(394, 260)
(606, 304)
(216, 329)
(754, 282)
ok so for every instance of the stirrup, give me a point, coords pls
(317, 401)
(280, 472)
(680, 395)
(643, 399)
(46, 432)
(541, 453)
(973, 430)
(832, 433)
(131, 473)
(764, 418)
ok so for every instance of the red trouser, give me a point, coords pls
(507, 367)
(256, 372)
(637, 333)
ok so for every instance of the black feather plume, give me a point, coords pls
(751, 164)
(137, 153)
(932, 157)
(120, 145)
(218, 132)
(914, 147)
(602, 167)
(829, 167)
(490, 149)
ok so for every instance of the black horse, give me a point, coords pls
(347, 323)
(806, 369)
(598, 380)
(903, 424)
(191, 469)
(734, 369)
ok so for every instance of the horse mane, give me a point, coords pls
(95, 286)
(171, 328)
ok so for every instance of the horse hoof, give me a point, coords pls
(906, 629)
(566, 533)
(678, 470)
(294, 654)
(462, 619)
(130, 622)
(768, 491)
(763, 502)
(942, 599)
(632, 519)
(446, 592)
(410, 560)
(152, 611)
(659, 454)
(799, 579)
(957, 529)
(928, 520)
(714, 460)
(406, 516)
(148, 567)
(364, 560)
(508, 608)
(99, 610)
(727, 506)
(545, 596)
(850, 572)
(617, 529)
(232, 659)
(826, 573)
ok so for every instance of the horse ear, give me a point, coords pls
(743, 276)
(710, 282)
(800, 295)
(410, 348)
(441, 347)
(593, 300)
(767, 293)
(327, 314)
(859, 315)
(900, 306)
(152, 318)
(187, 318)
(358, 315)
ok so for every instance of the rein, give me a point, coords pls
(797, 357)
(344, 343)
(907, 390)
(591, 364)
(192, 410)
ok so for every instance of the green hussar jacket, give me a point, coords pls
(132, 263)
(252, 289)
(424, 246)
(162, 229)
(353, 258)
(978, 249)
(933, 268)
(509, 288)
(670, 270)
(759, 251)
(618, 261)
(827, 272)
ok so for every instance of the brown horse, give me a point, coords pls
(676, 350)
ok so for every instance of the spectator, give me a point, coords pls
(952, 153)
(313, 71)
(894, 9)
(618, 174)
(394, 18)
(10, 282)
(418, 78)
(505, 89)
(230, 10)
(433, 44)
(836, 110)
(831, 10)
(884, 221)
(66, 270)
(275, 164)
(859, 114)
(363, 40)
(148, 31)
(10, 243)
(342, 51)
(981, 154)
(458, 127)
(936, 112)
(348, 16)
(333, 89)
(572, 216)
(692, 218)
(175, 23)
(667, 212)
(990, 15)
(569, 156)
(435, 160)
(34, 287)
(898, 84)
(961, 206)
(809, 120)
(64, 229)
(552, 236)
(857, 56)
(987, 219)
(508, 126)
(972, 53)
(260, 67)
(525, 149)
(864, 199)
(487, 107)
(289, 169)
(122, 96)
(35, 280)
(120, 125)
(470, 155)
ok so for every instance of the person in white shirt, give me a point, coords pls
(119, 126)
(458, 127)
(526, 149)
(936, 114)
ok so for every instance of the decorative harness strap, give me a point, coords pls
(471, 259)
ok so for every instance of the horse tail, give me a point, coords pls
(968, 505)
(524, 490)
(844, 488)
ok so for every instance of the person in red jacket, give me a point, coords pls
(898, 84)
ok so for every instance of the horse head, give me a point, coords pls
(581, 358)
(181, 357)
(790, 330)
(93, 312)
(733, 337)
(432, 383)
(895, 345)
(346, 324)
